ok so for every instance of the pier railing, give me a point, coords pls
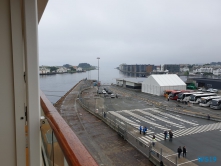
(60, 145)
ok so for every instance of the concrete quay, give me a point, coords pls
(104, 143)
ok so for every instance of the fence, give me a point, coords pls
(126, 131)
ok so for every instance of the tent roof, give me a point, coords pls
(168, 79)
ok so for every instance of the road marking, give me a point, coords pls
(188, 161)
(170, 155)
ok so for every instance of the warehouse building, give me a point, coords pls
(134, 83)
(157, 84)
(207, 82)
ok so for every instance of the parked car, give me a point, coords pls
(209, 90)
(109, 92)
(204, 90)
(112, 95)
(100, 92)
(104, 92)
(213, 90)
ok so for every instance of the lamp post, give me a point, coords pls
(98, 74)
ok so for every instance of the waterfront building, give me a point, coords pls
(137, 70)
(62, 70)
(79, 69)
(203, 70)
(217, 72)
(184, 69)
(134, 83)
(43, 70)
(173, 68)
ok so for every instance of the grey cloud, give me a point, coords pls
(152, 32)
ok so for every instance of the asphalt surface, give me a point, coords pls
(200, 136)
(102, 142)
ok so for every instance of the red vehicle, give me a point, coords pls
(174, 93)
(167, 92)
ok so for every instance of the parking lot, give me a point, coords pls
(200, 136)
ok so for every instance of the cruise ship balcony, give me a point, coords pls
(60, 145)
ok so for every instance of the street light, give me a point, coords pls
(98, 74)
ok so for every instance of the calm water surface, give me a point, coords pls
(55, 86)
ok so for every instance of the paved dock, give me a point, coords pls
(104, 144)
(109, 149)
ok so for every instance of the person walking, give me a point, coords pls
(153, 141)
(165, 134)
(153, 136)
(208, 117)
(179, 151)
(140, 129)
(170, 135)
(184, 151)
(144, 131)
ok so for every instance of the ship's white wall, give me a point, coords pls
(19, 57)
(7, 114)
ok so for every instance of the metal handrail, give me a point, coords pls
(74, 151)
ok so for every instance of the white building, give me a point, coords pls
(156, 84)
(217, 72)
(62, 70)
(203, 70)
(134, 83)
(184, 69)
(44, 70)
(79, 69)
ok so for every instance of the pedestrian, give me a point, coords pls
(184, 151)
(165, 134)
(104, 114)
(179, 151)
(208, 117)
(161, 163)
(168, 98)
(144, 131)
(170, 135)
(140, 129)
(153, 136)
(153, 142)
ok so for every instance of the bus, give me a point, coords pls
(166, 93)
(216, 104)
(206, 101)
(196, 98)
(184, 97)
(174, 94)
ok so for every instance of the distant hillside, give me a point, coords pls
(84, 65)
(215, 63)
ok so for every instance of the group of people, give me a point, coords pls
(168, 133)
(143, 129)
(179, 151)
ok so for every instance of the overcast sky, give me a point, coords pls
(130, 31)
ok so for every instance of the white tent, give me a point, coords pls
(156, 84)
